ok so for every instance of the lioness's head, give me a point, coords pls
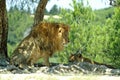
(75, 57)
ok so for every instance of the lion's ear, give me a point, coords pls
(67, 28)
(57, 25)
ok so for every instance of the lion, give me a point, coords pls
(80, 58)
(43, 41)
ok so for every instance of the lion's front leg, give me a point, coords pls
(46, 60)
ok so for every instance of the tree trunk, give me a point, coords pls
(39, 14)
(3, 32)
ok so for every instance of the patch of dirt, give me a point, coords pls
(42, 76)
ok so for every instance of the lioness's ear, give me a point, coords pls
(79, 55)
(72, 54)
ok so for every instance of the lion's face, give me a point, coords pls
(63, 35)
(52, 35)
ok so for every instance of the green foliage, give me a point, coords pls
(80, 20)
(91, 36)
(54, 10)
(104, 14)
(19, 21)
(94, 33)
(115, 39)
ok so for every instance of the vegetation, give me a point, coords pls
(115, 38)
(19, 22)
(94, 33)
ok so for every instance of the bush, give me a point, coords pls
(92, 39)
(19, 22)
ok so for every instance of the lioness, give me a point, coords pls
(44, 40)
(80, 58)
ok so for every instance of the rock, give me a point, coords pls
(71, 68)
(3, 62)
(115, 71)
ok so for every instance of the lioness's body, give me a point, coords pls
(43, 40)
(80, 58)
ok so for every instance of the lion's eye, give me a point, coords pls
(60, 31)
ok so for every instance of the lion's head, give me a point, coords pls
(52, 36)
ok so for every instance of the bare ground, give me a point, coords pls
(42, 76)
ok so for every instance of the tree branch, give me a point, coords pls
(39, 14)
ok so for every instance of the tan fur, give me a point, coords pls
(43, 40)
(80, 58)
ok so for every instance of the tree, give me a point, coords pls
(115, 2)
(54, 10)
(3, 32)
(39, 14)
